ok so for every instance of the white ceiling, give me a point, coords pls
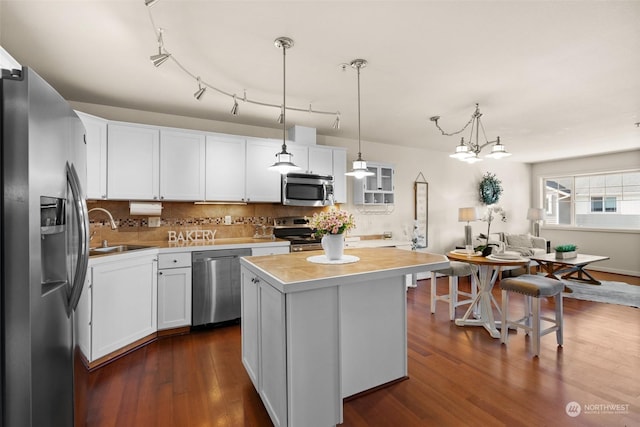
(554, 79)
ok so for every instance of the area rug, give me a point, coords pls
(609, 292)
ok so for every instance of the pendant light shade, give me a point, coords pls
(359, 169)
(284, 160)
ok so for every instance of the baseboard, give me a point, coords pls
(614, 270)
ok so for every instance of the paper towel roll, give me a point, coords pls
(145, 208)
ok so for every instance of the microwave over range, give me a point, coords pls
(301, 189)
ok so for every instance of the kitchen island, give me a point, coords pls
(314, 334)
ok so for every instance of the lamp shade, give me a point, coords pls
(468, 214)
(535, 214)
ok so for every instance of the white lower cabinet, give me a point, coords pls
(288, 342)
(118, 305)
(270, 250)
(174, 290)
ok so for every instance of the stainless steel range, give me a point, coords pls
(296, 229)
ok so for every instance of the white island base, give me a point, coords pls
(314, 334)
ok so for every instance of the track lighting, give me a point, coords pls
(200, 91)
(336, 123)
(161, 57)
(284, 160)
(234, 109)
(359, 170)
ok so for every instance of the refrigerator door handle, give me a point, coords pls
(80, 206)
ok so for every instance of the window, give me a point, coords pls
(609, 200)
(603, 204)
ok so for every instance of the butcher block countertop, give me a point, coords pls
(292, 272)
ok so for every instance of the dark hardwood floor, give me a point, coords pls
(458, 376)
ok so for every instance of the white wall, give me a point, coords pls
(622, 247)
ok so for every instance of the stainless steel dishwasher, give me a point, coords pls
(216, 285)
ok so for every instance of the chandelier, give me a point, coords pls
(468, 151)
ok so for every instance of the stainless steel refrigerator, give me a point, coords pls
(44, 249)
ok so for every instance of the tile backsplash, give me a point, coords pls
(185, 216)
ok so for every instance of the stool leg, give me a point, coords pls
(536, 327)
(504, 329)
(453, 296)
(528, 316)
(433, 292)
(559, 319)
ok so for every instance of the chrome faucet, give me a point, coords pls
(113, 223)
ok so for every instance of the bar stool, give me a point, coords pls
(532, 286)
(456, 269)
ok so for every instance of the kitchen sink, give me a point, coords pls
(116, 249)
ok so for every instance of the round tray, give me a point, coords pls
(322, 259)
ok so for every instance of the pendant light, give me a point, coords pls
(359, 170)
(284, 162)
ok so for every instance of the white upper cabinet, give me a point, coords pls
(96, 139)
(225, 177)
(263, 185)
(339, 177)
(182, 165)
(300, 155)
(320, 160)
(133, 162)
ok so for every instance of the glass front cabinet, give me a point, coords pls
(377, 189)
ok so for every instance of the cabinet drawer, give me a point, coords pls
(174, 260)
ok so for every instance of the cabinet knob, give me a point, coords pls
(104, 196)
(155, 197)
(160, 273)
(175, 260)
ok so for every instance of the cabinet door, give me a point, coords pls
(182, 165)
(96, 139)
(300, 156)
(263, 185)
(82, 319)
(250, 328)
(133, 154)
(273, 354)
(225, 165)
(174, 297)
(321, 160)
(124, 303)
(339, 177)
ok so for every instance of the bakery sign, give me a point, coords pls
(191, 236)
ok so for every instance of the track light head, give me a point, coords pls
(201, 90)
(336, 123)
(150, 3)
(234, 109)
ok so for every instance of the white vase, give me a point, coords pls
(333, 245)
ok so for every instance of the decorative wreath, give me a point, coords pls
(490, 189)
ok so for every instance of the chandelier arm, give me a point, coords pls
(453, 133)
(158, 34)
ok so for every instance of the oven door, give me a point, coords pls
(307, 190)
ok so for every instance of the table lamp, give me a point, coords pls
(536, 215)
(468, 214)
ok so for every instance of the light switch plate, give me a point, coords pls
(154, 221)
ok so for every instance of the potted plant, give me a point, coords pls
(331, 226)
(566, 251)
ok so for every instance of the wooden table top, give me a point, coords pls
(480, 260)
(287, 269)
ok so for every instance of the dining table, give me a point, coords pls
(480, 312)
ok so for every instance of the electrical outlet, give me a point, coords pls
(154, 221)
